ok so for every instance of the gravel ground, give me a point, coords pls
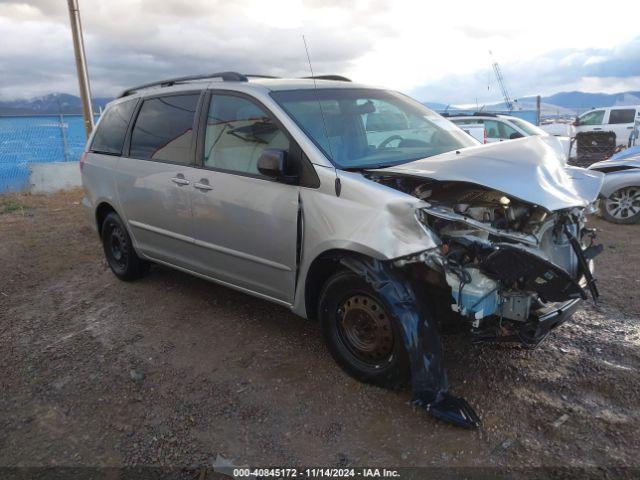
(174, 371)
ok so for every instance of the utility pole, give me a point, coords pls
(81, 65)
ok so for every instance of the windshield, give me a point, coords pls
(529, 128)
(362, 128)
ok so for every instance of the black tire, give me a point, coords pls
(119, 251)
(622, 206)
(385, 365)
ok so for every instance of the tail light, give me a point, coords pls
(82, 159)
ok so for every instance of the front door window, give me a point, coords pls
(237, 133)
(592, 118)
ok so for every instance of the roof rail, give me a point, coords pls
(252, 75)
(484, 114)
(226, 76)
(338, 78)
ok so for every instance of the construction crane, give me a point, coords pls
(505, 93)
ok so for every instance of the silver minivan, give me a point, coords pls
(352, 205)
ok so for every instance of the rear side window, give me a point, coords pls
(164, 129)
(506, 131)
(112, 128)
(622, 116)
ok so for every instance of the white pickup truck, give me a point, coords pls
(619, 120)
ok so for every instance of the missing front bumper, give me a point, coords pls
(530, 333)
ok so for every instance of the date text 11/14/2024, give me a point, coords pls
(315, 473)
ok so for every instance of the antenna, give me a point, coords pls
(324, 123)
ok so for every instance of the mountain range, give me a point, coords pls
(583, 100)
(563, 103)
(53, 103)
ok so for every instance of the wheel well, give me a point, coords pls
(102, 211)
(323, 267)
(431, 282)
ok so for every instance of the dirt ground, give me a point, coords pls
(174, 371)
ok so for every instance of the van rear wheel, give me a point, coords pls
(362, 335)
(118, 250)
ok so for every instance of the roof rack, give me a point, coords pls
(337, 78)
(252, 75)
(226, 76)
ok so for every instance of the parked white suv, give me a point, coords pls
(619, 120)
(499, 128)
(352, 205)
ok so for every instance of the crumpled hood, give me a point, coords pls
(527, 168)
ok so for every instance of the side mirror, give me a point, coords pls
(515, 135)
(272, 163)
(576, 122)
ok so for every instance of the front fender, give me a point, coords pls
(367, 218)
(617, 180)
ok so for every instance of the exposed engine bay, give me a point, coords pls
(513, 268)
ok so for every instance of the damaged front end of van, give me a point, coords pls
(513, 255)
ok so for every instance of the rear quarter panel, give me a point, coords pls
(98, 180)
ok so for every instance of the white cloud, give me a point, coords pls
(431, 49)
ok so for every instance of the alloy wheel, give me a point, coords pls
(624, 203)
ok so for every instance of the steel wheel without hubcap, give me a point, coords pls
(118, 247)
(624, 204)
(119, 251)
(365, 329)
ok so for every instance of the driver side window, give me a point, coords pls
(592, 118)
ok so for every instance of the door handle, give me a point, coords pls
(629, 128)
(203, 185)
(180, 180)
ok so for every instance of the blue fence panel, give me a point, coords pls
(36, 139)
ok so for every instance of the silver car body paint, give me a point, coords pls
(526, 168)
(615, 180)
(367, 218)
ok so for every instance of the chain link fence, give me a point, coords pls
(27, 140)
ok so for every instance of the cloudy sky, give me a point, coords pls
(435, 51)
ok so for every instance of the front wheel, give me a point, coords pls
(364, 338)
(119, 251)
(622, 206)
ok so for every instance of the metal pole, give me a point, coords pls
(81, 65)
(63, 134)
(538, 112)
